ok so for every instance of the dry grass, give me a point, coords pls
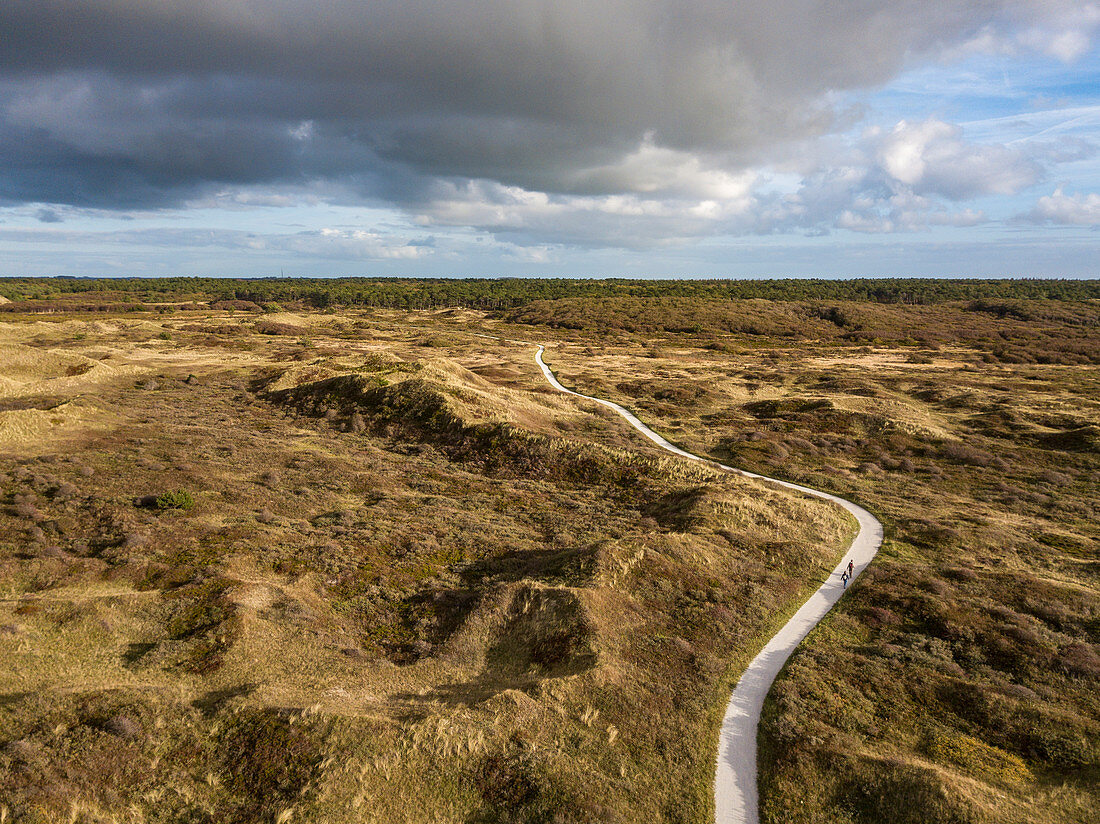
(959, 679)
(456, 595)
(460, 598)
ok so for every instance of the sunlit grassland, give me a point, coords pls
(410, 581)
(958, 679)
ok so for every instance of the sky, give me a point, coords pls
(629, 138)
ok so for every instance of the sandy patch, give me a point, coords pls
(290, 318)
(40, 431)
(890, 359)
(254, 596)
(26, 364)
(26, 371)
(294, 376)
(905, 416)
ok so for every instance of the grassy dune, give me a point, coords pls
(359, 567)
(959, 680)
(366, 566)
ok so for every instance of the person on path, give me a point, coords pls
(850, 567)
(844, 578)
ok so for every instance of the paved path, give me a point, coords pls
(735, 793)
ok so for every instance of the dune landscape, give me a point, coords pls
(367, 564)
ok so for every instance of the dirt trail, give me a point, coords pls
(735, 792)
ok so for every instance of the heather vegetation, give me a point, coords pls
(958, 680)
(363, 571)
(268, 563)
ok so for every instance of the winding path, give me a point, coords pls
(735, 792)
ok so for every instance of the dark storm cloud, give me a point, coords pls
(131, 102)
(48, 216)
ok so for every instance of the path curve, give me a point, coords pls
(735, 792)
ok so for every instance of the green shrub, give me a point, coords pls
(177, 499)
(977, 757)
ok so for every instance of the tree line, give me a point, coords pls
(510, 293)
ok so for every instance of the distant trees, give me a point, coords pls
(510, 293)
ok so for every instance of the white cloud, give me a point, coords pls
(967, 217)
(346, 244)
(533, 254)
(622, 220)
(251, 197)
(1067, 34)
(1063, 29)
(860, 195)
(328, 243)
(656, 170)
(932, 157)
(303, 131)
(1074, 210)
(903, 212)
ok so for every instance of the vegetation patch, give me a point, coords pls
(544, 631)
(176, 499)
(269, 760)
(978, 758)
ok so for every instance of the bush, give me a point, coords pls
(1077, 658)
(960, 453)
(268, 761)
(507, 780)
(976, 757)
(269, 327)
(178, 499)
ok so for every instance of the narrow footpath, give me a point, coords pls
(735, 793)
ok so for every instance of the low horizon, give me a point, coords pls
(641, 277)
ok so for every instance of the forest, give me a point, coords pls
(509, 293)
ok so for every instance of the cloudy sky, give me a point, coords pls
(550, 137)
